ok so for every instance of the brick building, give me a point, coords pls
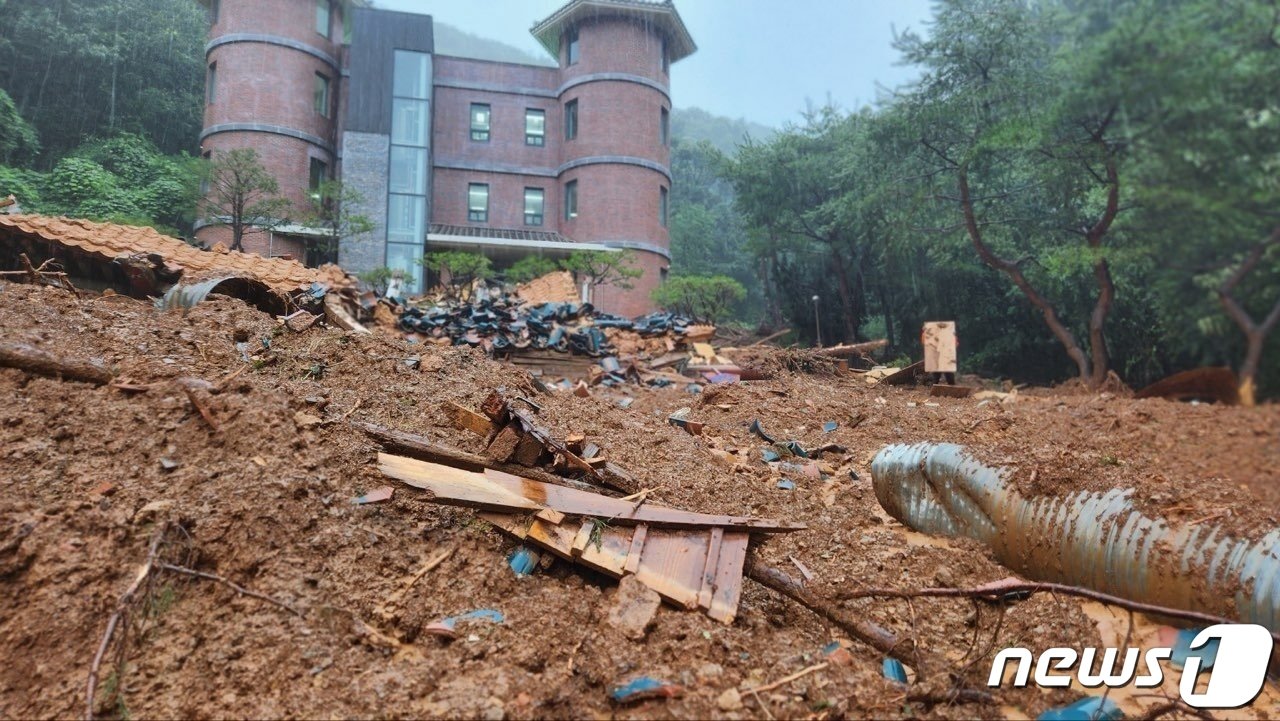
(454, 153)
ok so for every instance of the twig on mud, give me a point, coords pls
(387, 608)
(231, 584)
(203, 409)
(788, 679)
(995, 590)
(122, 607)
(763, 706)
(222, 384)
(353, 409)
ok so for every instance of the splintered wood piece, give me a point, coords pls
(504, 444)
(709, 569)
(671, 564)
(466, 418)
(615, 510)
(528, 450)
(590, 451)
(581, 540)
(463, 488)
(635, 549)
(550, 515)
(574, 442)
(728, 584)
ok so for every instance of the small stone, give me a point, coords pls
(494, 710)
(306, 420)
(168, 464)
(633, 608)
(943, 578)
(730, 700)
(710, 670)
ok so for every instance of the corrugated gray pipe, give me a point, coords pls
(1095, 540)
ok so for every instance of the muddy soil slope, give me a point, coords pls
(261, 496)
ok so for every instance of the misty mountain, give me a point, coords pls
(462, 44)
(725, 134)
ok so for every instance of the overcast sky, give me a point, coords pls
(756, 59)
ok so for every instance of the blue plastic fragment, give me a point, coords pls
(722, 378)
(796, 449)
(480, 614)
(523, 560)
(894, 670)
(787, 485)
(1182, 649)
(830, 426)
(693, 388)
(1089, 708)
(770, 455)
(644, 687)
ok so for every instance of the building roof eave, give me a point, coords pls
(664, 13)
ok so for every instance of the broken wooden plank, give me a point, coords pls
(671, 563)
(336, 314)
(457, 485)
(853, 349)
(425, 449)
(709, 568)
(528, 451)
(905, 375)
(466, 418)
(636, 548)
(581, 503)
(727, 589)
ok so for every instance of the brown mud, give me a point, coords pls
(87, 475)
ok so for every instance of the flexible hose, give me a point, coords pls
(1095, 540)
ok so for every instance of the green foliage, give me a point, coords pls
(22, 184)
(242, 194)
(457, 269)
(598, 267)
(530, 267)
(332, 208)
(377, 278)
(76, 69)
(706, 298)
(18, 140)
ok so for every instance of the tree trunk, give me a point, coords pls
(237, 237)
(1102, 272)
(1255, 333)
(1014, 271)
(846, 296)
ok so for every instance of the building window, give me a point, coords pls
(665, 126)
(322, 17)
(213, 82)
(571, 200)
(478, 203)
(533, 205)
(571, 41)
(322, 94)
(666, 57)
(662, 205)
(411, 77)
(663, 273)
(409, 122)
(408, 170)
(480, 122)
(535, 127)
(319, 173)
(571, 120)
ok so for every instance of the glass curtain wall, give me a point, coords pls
(407, 198)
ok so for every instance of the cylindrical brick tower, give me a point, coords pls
(615, 58)
(273, 79)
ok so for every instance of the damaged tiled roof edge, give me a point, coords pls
(110, 240)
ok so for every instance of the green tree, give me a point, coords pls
(242, 195)
(598, 267)
(331, 210)
(705, 298)
(530, 267)
(18, 140)
(457, 269)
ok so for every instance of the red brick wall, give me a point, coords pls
(255, 241)
(616, 45)
(506, 198)
(451, 129)
(617, 202)
(617, 118)
(273, 85)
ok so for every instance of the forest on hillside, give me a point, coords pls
(1086, 187)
